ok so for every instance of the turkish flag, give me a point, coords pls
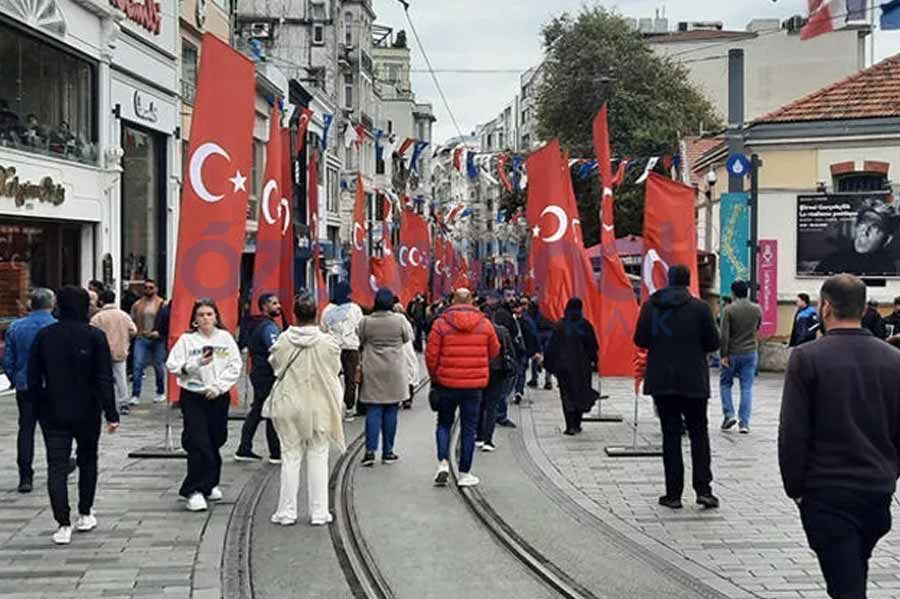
(457, 158)
(437, 273)
(387, 275)
(415, 247)
(618, 306)
(302, 128)
(286, 271)
(213, 214)
(670, 233)
(312, 195)
(562, 269)
(363, 293)
(274, 220)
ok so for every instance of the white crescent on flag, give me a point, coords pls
(195, 170)
(562, 220)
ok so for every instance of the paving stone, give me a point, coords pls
(755, 540)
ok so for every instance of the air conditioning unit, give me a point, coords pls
(260, 30)
(794, 24)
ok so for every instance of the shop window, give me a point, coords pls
(47, 100)
(860, 182)
(188, 72)
(143, 214)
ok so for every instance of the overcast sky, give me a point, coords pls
(505, 34)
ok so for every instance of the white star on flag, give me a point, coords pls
(239, 181)
(536, 231)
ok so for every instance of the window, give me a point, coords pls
(333, 190)
(500, 138)
(334, 238)
(313, 141)
(421, 131)
(317, 10)
(348, 91)
(390, 127)
(188, 72)
(348, 29)
(257, 172)
(142, 204)
(46, 98)
(861, 182)
(318, 35)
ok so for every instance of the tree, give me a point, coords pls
(596, 57)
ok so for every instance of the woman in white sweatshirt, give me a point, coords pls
(306, 410)
(207, 362)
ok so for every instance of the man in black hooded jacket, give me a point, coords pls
(678, 331)
(70, 382)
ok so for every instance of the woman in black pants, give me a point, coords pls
(207, 362)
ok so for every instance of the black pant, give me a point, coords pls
(25, 443)
(487, 414)
(349, 365)
(58, 440)
(419, 335)
(261, 390)
(571, 412)
(205, 432)
(843, 527)
(672, 409)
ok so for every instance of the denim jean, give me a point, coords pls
(469, 403)
(744, 367)
(381, 419)
(521, 374)
(149, 352)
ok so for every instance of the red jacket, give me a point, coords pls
(460, 347)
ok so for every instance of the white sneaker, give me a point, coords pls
(467, 479)
(349, 415)
(282, 519)
(215, 494)
(328, 519)
(443, 475)
(275, 461)
(134, 401)
(479, 444)
(63, 536)
(160, 398)
(196, 503)
(488, 448)
(86, 523)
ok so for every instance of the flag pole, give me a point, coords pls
(635, 450)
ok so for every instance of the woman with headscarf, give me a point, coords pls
(341, 318)
(306, 410)
(572, 356)
(385, 380)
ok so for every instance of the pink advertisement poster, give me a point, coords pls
(768, 286)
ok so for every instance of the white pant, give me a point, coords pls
(120, 382)
(316, 454)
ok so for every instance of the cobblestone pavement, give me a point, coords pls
(754, 541)
(146, 544)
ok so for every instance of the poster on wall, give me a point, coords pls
(854, 233)
(768, 286)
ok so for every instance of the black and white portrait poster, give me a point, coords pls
(853, 233)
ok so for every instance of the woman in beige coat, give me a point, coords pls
(384, 378)
(306, 409)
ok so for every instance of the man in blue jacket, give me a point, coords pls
(19, 338)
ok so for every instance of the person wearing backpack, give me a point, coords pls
(501, 369)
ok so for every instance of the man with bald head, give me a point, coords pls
(460, 347)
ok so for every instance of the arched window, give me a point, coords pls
(348, 28)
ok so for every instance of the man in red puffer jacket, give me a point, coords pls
(460, 348)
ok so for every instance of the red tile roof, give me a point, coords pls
(870, 93)
(697, 147)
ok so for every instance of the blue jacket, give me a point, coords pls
(263, 337)
(17, 346)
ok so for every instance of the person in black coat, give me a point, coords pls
(70, 383)
(873, 321)
(572, 356)
(679, 331)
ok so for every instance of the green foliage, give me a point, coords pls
(595, 57)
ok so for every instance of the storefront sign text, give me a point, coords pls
(146, 14)
(45, 191)
(145, 109)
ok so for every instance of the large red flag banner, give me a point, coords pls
(385, 269)
(359, 260)
(670, 233)
(437, 267)
(312, 195)
(302, 128)
(274, 221)
(618, 306)
(286, 274)
(415, 249)
(213, 213)
(562, 269)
